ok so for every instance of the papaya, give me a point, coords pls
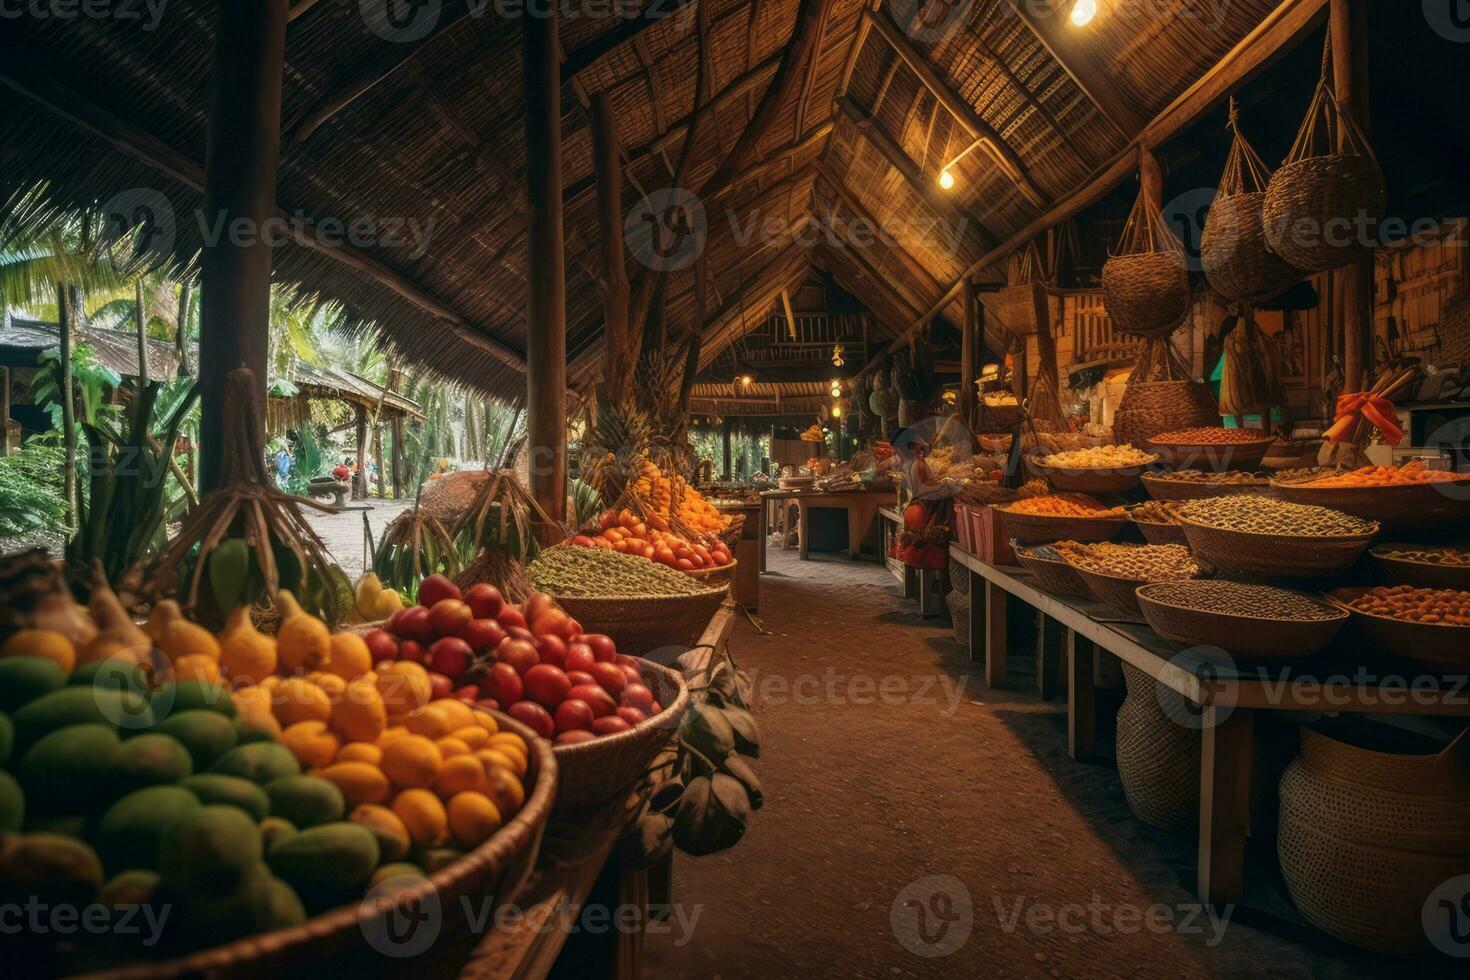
(259, 762)
(219, 915)
(7, 739)
(274, 829)
(207, 735)
(133, 887)
(286, 907)
(306, 801)
(79, 706)
(118, 636)
(153, 760)
(25, 679)
(396, 869)
(132, 830)
(215, 789)
(115, 674)
(71, 771)
(335, 858)
(193, 695)
(210, 851)
(50, 869)
(12, 805)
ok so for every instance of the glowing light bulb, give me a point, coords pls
(837, 411)
(946, 179)
(746, 380)
(1082, 12)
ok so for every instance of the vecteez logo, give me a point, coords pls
(1450, 19)
(666, 230)
(401, 21)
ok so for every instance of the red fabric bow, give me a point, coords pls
(1376, 411)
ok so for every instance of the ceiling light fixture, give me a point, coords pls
(837, 411)
(1082, 12)
(836, 388)
(837, 352)
(946, 179)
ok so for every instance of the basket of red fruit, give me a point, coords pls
(607, 713)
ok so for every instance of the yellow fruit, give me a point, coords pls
(459, 713)
(387, 603)
(460, 774)
(511, 746)
(246, 655)
(360, 752)
(185, 639)
(118, 636)
(449, 747)
(311, 742)
(387, 827)
(412, 761)
(298, 699)
(253, 701)
(391, 734)
(164, 615)
(350, 656)
(197, 667)
(272, 682)
(359, 715)
(487, 721)
(474, 736)
(360, 782)
(423, 815)
(303, 643)
(472, 819)
(42, 643)
(369, 587)
(501, 759)
(431, 722)
(504, 788)
(405, 688)
(331, 683)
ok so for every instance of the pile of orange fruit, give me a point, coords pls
(623, 531)
(1061, 505)
(658, 492)
(1386, 476)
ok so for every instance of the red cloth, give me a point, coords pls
(1378, 412)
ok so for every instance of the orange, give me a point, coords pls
(431, 722)
(331, 683)
(298, 699)
(360, 752)
(197, 667)
(391, 733)
(451, 746)
(486, 721)
(474, 736)
(412, 761)
(472, 818)
(458, 713)
(458, 775)
(513, 749)
(504, 788)
(311, 743)
(350, 656)
(359, 715)
(360, 782)
(405, 688)
(423, 815)
(47, 644)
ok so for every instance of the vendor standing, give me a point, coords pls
(924, 541)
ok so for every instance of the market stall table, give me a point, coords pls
(749, 551)
(920, 585)
(861, 505)
(1228, 699)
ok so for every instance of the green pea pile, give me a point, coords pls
(594, 572)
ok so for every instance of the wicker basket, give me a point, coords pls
(1162, 489)
(496, 870)
(1213, 458)
(720, 575)
(639, 624)
(1423, 574)
(1055, 577)
(1440, 647)
(1156, 533)
(612, 766)
(1094, 480)
(1113, 590)
(1245, 636)
(1149, 408)
(1414, 508)
(1043, 529)
(1274, 556)
(959, 577)
(959, 616)
(1158, 758)
(1365, 837)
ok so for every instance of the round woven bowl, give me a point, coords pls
(496, 871)
(1274, 556)
(1146, 293)
(1156, 533)
(1161, 489)
(1213, 457)
(1248, 636)
(1055, 577)
(1423, 574)
(1044, 529)
(612, 766)
(639, 624)
(1113, 590)
(1434, 646)
(1088, 479)
(1414, 508)
(714, 576)
(1307, 199)
(1234, 254)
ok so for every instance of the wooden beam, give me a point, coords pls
(546, 305)
(1349, 31)
(777, 157)
(613, 281)
(1065, 49)
(243, 153)
(298, 8)
(132, 141)
(864, 26)
(628, 29)
(790, 316)
(970, 344)
(999, 149)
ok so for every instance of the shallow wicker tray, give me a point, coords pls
(1423, 574)
(1055, 577)
(1155, 533)
(1247, 636)
(1213, 457)
(1274, 556)
(612, 766)
(498, 868)
(714, 576)
(1113, 590)
(1433, 646)
(1088, 479)
(1413, 508)
(1044, 529)
(640, 624)
(1187, 490)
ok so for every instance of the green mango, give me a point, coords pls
(306, 801)
(335, 858)
(153, 760)
(24, 679)
(73, 770)
(212, 788)
(209, 852)
(12, 805)
(259, 762)
(207, 735)
(132, 830)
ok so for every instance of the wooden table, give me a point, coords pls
(861, 506)
(749, 551)
(1229, 699)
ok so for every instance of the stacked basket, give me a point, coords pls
(1158, 755)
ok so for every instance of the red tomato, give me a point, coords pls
(448, 616)
(502, 683)
(603, 647)
(581, 541)
(451, 657)
(640, 697)
(578, 677)
(488, 704)
(627, 661)
(684, 563)
(467, 694)
(382, 645)
(413, 623)
(436, 588)
(510, 617)
(600, 701)
(632, 715)
(610, 725)
(574, 736)
(413, 651)
(520, 633)
(703, 553)
(554, 622)
(485, 599)
(534, 717)
(632, 673)
(573, 714)
(551, 649)
(440, 686)
(547, 684)
(610, 677)
(483, 634)
(520, 654)
(579, 657)
(536, 605)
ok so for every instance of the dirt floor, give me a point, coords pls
(918, 824)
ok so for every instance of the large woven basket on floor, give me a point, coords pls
(1366, 837)
(1158, 755)
(354, 937)
(612, 766)
(959, 616)
(1415, 508)
(639, 624)
(1274, 556)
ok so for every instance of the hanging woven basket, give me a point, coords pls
(1146, 285)
(1016, 303)
(1233, 249)
(1323, 205)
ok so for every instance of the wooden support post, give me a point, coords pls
(546, 308)
(1050, 641)
(1350, 83)
(613, 278)
(360, 480)
(140, 330)
(996, 635)
(395, 379)
(4, 412)
(68, 307)
(181, 334)
(1081, 698)
(727, 425)
(378, 459)
(977, 611)
(243, 151)
(970, 341)
(1226, 746)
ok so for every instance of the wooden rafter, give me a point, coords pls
(627, 30)
(298, 8)
(777, 157)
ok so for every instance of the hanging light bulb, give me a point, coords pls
(836, 388)
(946, 179)
(1082, 12)
(837, 411)
(747, 380)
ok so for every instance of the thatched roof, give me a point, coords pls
(431, 131)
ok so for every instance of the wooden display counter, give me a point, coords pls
(861, 505)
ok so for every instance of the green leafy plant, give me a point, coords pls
(30, 491)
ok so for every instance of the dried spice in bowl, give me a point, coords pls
(1240, 599)
(1143, 563)
(1442, 607)
(1263, 515)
